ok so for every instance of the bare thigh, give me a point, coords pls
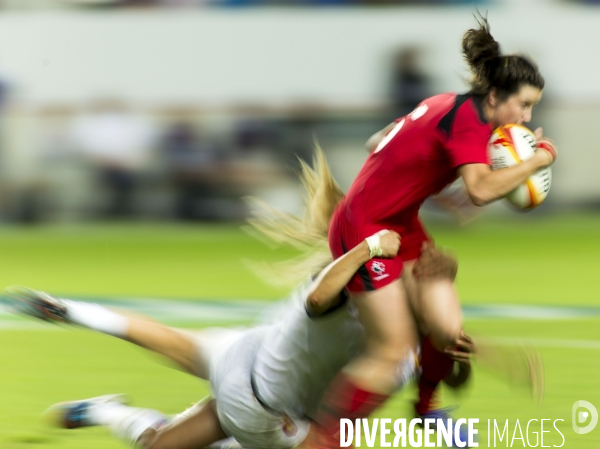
(197, 430)
(387, 319)
(172, 343)
(390, 335)
(192, 351)
(436, 308)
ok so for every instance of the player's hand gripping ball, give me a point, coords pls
(510, 145)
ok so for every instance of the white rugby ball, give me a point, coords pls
(510, 145)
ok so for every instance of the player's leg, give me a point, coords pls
(433, 266)
(432, 294)
(180, 347)
(436, 306)
(390, 336)
(366, 382)
(197, 427)
(438, 327)
(428, 276)
(172, 343)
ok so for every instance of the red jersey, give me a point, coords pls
(418, 158)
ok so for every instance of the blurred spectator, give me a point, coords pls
(264, 147)
(196, 170)
(53, 130)
(117, 144)
(183, 3)
(141, 2)
(253, 132)
(56, 165)
(342, 2)
(114, 4)
(410, 85)
(300, 132)
(5, 91)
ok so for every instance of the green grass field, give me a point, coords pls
(530, 260)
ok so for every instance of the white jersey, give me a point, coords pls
(269, 379)
(240, 414)
(300, 355)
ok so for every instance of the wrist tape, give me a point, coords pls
(548, 147)
(374, 243)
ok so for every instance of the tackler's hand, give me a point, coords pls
(390, 244)
(434, 264)
(384, 244)
(463, 351)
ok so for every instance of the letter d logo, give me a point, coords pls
(581, 417)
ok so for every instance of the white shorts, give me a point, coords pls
(210, 344)
(241, 415)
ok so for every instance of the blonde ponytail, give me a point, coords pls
(307, 232)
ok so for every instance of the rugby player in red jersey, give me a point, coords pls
(415, 157)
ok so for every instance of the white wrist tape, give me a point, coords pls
(374, 243)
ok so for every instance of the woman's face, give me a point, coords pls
(517, 108)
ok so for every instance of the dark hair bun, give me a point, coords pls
(481, 51)
(492, 70)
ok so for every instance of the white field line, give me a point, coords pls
(545, 342)
(202, 313)
(248, 310)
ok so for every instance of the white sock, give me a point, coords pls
(97, 317)
(127, 423)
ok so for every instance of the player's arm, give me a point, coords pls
(485, 185)
(456, 200)
(458, 377)
(461, 354)
(377, 137)
(434, 263)
(325, 290)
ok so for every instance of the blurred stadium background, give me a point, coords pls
(130, 131)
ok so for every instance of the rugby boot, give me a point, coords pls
(75, 414)
(36, 304)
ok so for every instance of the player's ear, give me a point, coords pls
(492, 97)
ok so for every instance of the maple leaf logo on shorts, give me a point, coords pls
(378, 267)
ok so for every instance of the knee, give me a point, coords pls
(390, 354)
(146, 439)
(441, 338)
(151, 439)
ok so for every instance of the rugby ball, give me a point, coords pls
(510, 145)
